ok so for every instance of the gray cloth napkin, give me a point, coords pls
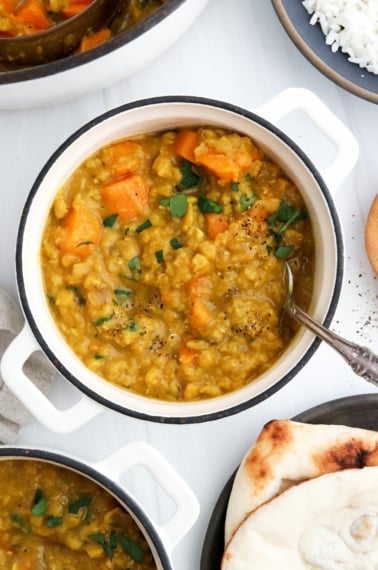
(13, 414)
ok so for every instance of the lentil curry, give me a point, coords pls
(56, 519)
(162, 258)
(26, 17)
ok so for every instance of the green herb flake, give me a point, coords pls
(123, 294)
(283, 251)
(100, 538)
(84, 501)
(132, 548)
(84, 243)
(103, 320)
(54, 521)
(178, 205)
(99, 356)
(269, 249)
(159, 254)
(235, 186)
(189, 178)
(246, 202)
(109, 221)
(165, 202)
(208, 206)
(132, 326)
(113, 539)
(133, 263)
(144, 226)
(175, 244)
(39, 504)
(19, 521)
(287, 214)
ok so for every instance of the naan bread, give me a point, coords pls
(287, 453)
(327, 523)
(371, 235)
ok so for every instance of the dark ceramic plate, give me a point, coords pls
(310, 41)
(354, 411)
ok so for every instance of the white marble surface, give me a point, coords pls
(238, 52)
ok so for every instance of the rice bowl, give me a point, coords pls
(349, 25)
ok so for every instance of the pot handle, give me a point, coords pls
(141, 453)
(60, 421)
(347, 148)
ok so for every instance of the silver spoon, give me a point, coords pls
(360, 358)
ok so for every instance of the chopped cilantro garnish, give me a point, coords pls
(235, 186)
(175, 244)
(132, 326)
(146, 224)
(103, 320)
(100, 538)
(84, 501)
(189, 178)
(208, 206)
(123, 294)
(133, 263)
(159, 256)
(283, 251)
(287, 214)
(109, 221)
(39, 504)
(178, 205)
(132, 548)
(20, 522)
(269, 249)
(54, 521)
(247, 202)
(84, 243)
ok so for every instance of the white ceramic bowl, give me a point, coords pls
(98, 68)
(107, 473)
(152, 115)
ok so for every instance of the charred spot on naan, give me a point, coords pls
(276, 438)
(348, 455)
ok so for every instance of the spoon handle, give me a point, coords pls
(360, 358)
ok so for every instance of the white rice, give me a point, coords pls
(349, 25)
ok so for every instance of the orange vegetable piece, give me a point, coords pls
(82, 229)
(187, 356)
(92, 40)
(127, 197)
(200, 286)
(220, 165)
(33, 13)
(7, 7)
(243, 160)
(185, 143)
(215, 224)
(199, 316)
(124, 157)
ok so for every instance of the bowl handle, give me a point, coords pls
(61, 421)
(347, 148)
(141, 453)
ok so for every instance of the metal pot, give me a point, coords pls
(107, 473)
(41, 332)
(77, 75)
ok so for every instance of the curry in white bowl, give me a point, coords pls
(162, 259)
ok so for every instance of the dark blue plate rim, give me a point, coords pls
(311, 42)
(355, 411)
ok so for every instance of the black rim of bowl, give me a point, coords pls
(73, 61)
(33, 321)
(87, 471)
